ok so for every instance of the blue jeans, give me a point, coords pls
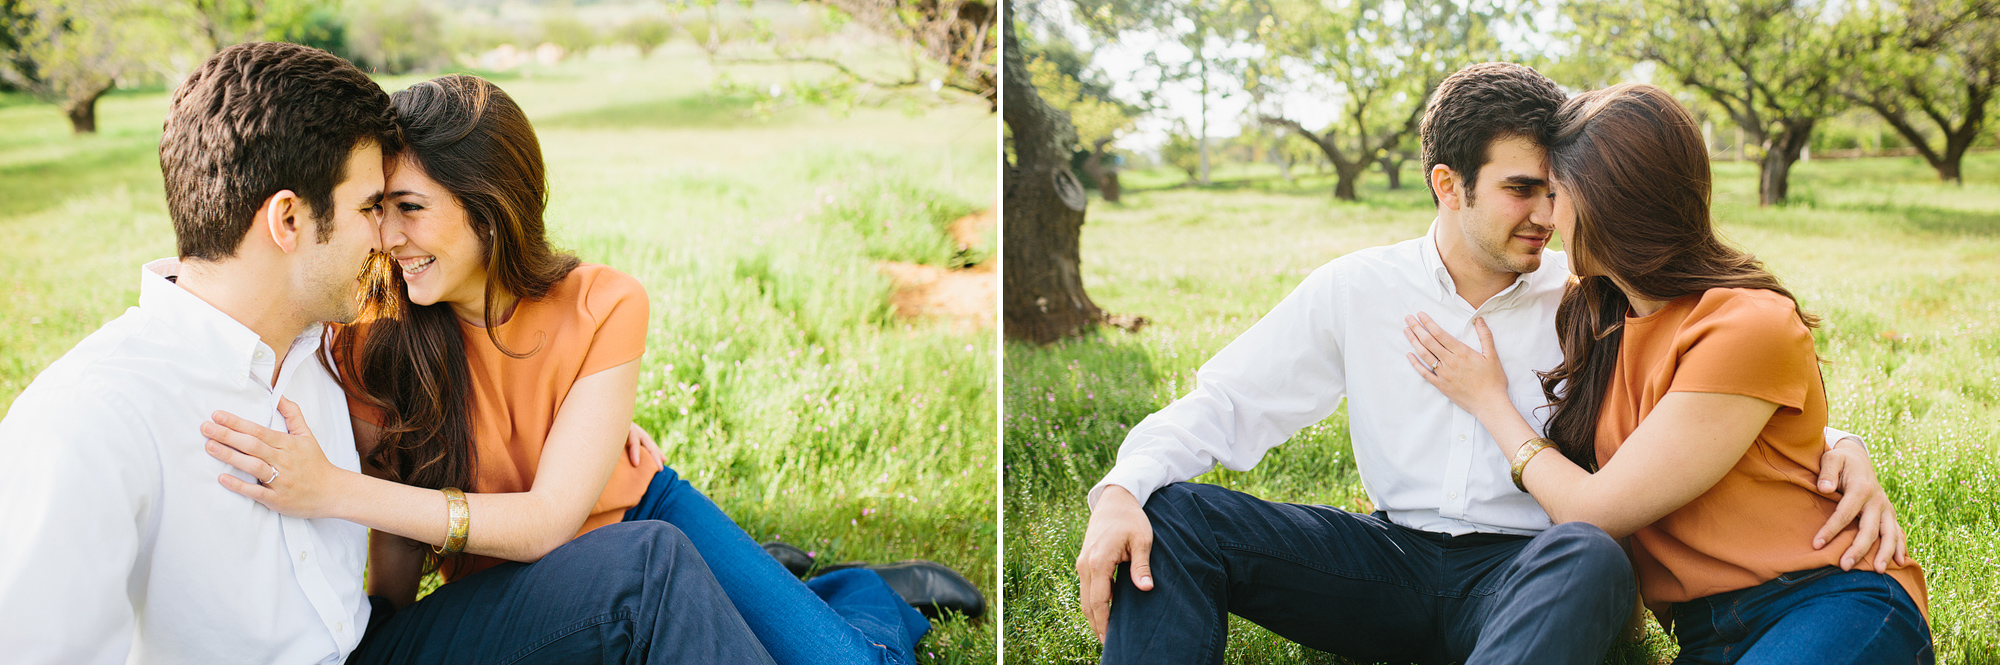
(846, 616)
(1363, 587)
(621, 595)
(1823, 616)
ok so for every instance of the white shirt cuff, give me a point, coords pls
(1138, 475)
(1833, 437)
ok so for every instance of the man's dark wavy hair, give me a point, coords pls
(261, 118)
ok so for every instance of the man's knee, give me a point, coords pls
(662, 547)
(1181, 506)
(1594, 560)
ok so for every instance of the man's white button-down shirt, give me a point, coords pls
(117, 545)
(1426, 462)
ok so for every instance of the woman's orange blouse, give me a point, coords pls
(1759, 520)
(593, 320)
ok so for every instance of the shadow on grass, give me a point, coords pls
(30, 188)
(1068, 408)
(699, 111)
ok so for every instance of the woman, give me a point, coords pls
(486, 360)
(1688, 408)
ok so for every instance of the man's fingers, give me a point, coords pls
(1142, 567)
(1871, 529)
(1829, 472)
(1843, 513)
(1095, 596)
(1892, 541)
(1485, 336)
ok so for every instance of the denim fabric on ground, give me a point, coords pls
(848, 617)
(619, 595)
(1363, 587)
(1823, 616)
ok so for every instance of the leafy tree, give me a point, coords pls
(70, 52)
(957, 35)
(562, 28)
(1098, 121)
(1208, 29)
(1937, 63)
(1384, 58)
(1186, 153)
(646, 32)
(396, 38)
(1774, 66)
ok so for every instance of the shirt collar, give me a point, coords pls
(236, 350)
(1446, 288)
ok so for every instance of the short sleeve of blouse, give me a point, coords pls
(1746, 342)
(617, 305)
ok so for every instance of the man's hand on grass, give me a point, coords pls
(1118, 532)
(1846, 468)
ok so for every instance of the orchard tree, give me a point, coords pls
(1098, 121)
(1382, 59)
(1937, 64)
(70, 52)
(1210, 30)
(1774, 66)
(1043, 291)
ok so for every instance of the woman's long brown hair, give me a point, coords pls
(470, 137)
(1633, 162)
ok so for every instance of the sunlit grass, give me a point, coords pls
(1904, 269)
(775, 378)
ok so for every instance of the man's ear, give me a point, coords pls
(1444, 181)
(283, 215)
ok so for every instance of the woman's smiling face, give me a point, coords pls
(427, 231)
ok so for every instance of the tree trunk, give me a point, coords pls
(1347, 174)
(1780, 152)
(82, 111)
(1394, 169)
(1106, 178)
(1202, 138)
(1044, 296)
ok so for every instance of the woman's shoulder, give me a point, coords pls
(1751, 305)
(591, 282)
(1756, 314)
(602, 291)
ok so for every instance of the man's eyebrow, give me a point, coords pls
(374, 200)
(1522, 180)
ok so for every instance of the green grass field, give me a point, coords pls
(1903, 269)
(775, 379)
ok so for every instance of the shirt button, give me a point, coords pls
(340, 626)
(302, 555)
(1453, 495)
(1461, 437)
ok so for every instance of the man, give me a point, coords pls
(1458, 565)
(120, 546)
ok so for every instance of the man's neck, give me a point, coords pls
(249, 297)
(1474, 281)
